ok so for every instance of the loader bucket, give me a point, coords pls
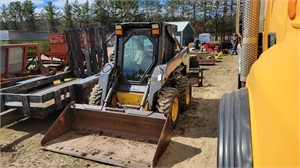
(128, 138)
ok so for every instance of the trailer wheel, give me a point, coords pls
(185, 92)
(168, 104)
(95, 96)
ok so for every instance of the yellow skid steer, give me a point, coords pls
(135, 104)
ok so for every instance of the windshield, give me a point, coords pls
(138, 57)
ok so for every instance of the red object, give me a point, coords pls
(7, 70)
(58, 47)
(212, 48)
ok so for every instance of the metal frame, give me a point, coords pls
(83, 46)
(38, 97)
(24, 47)
(32, 96)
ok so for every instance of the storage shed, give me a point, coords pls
(185, 32)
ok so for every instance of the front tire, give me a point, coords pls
(168, 104)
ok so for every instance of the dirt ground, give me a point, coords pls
(193, 143)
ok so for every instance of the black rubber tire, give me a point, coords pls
(95, 96)
(181, 85)
(234, 131)
(165, 101)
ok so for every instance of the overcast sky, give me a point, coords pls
(41, 3)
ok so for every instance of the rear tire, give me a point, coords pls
(185, 92)
(168, 104)
(95, 97)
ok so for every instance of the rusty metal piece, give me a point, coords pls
(58, 47)
(194, 76)
(131, 139)
(206, 59)
(86, 49)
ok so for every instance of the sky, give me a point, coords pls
(41, 3)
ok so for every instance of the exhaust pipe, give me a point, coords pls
(249, 55)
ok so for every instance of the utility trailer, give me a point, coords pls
(40, 96)
(14, 64)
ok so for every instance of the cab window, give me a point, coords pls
(138, 57)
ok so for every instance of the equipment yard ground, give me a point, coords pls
(193, 144)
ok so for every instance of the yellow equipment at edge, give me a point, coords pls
(274, 90)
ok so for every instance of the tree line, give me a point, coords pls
(206, 16)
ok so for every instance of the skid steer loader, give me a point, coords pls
(259, 124)
(134, 106)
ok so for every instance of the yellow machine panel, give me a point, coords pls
(276, 20)
(274, 91)
(129, 98)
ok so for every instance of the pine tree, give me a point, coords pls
(29, 15)
(150, 10)
(77, 13)
(51, 15)
(15, 14)
(194, 11)
(86, 14)
(128, 11)
(206, 9)
(171, 8)
(4, 18)
(104, 13)
(68, 18)
(216, 15)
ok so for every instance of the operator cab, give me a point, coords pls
(138, 57)
(137, 51)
